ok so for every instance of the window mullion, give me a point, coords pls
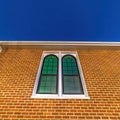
(60, 76)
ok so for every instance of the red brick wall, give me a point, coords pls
(18, 69)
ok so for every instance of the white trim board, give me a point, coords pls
(60, 43)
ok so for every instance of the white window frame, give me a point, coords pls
(60, 54)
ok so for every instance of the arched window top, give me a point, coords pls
(50, 65)
(51, 57)
(69, 57)
(69, 65)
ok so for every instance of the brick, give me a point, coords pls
(18, 69)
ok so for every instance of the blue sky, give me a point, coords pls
(61, 20)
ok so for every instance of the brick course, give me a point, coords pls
(18, 69)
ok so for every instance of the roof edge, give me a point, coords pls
(60, 43)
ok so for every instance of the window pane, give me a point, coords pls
(71, 79)
(50, 65)
(72, 85)
(49, 75)
(69, 65)
(47, 85)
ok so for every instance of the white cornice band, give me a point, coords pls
(60, 43)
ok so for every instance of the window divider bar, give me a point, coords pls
(60, 76)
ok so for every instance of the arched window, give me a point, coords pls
(70, 76)
(60, 76)
(48, 82)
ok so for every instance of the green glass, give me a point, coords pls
(49, 73)
(47, 84)
(50, 65)
(69, 65)
(72, 85)
(71, 79)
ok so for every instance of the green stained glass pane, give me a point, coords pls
(72, 85)
(44, 68)
(75, 71)
(44, 72)
(67, 90)
(49, 72)
(53, 90)
(41, 90)
(73, 64)
(43, 83)
(47, 89)
(69, 65)
(71, 80)
(48, 79)
(74, 68)
(48, 85)
(50, 64)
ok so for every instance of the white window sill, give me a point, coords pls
(60, 97)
